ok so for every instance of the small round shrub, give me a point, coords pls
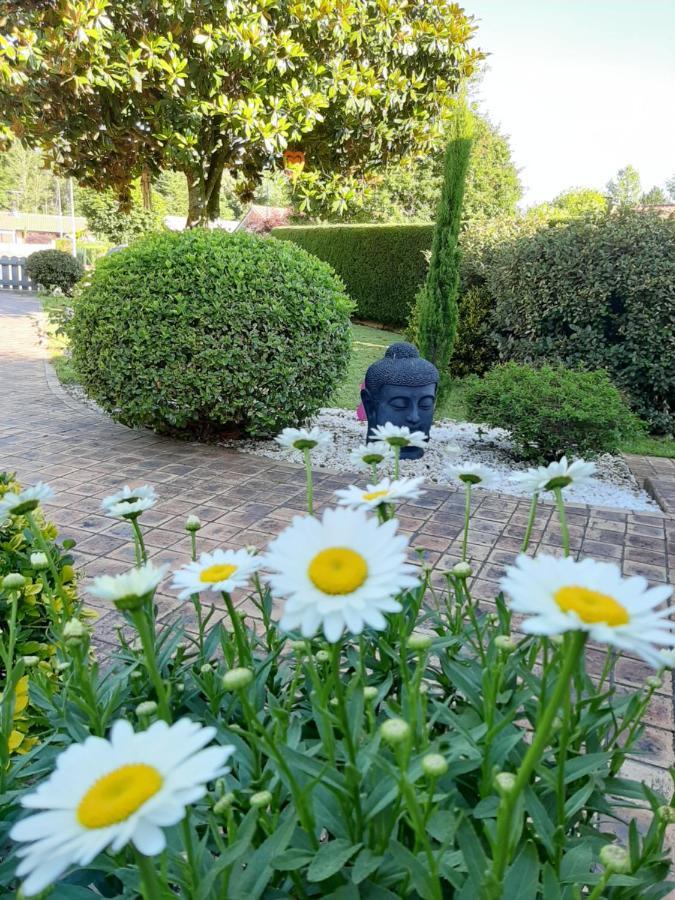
(209, 334)
(54, 269)
(552, 410)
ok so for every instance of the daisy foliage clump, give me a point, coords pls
(389, 733)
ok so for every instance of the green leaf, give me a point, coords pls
(365, 864)
(522, 877)
(330, 858)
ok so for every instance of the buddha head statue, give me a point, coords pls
(401, 389)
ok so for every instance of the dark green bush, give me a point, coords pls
(382, 266)
(552, 410)
(206, 334)
(599, 294)
(54, 269)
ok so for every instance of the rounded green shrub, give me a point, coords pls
(209, 334)
(597, 293)
(552, 410)
(54, 269)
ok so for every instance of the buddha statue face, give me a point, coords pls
(401, 389)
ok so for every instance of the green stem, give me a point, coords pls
(242, 649)
(196, 603)
(373, 469)
(193, 545)
(352, 768)
(503, 842)
(421, 834)
(467, 516)
(151, 887)
(190, 850)
(397, 459)
(310, 484)
(530, 522)
(564, 530)
(141, 555)
(600, 886)
(560, 789)
(146, 635)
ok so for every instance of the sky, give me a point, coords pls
(581, 87)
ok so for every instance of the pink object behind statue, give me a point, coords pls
(360, 409)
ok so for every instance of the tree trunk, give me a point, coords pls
(146, 189)
(213, 200)
(197, 205)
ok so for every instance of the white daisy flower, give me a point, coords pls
(400, 436)
(556, 475)
(385, 491)
(130, 589)
(340, 573)
(18, 504)
(130, 502)
(368, 455)
(303, 438)
(473, 474)
(566, 595)
(107, 793)
(222, 570)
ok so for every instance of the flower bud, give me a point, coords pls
(73, 631)
(179, 688)
(666, 814)
(298, 646)
(505, 782)
(30, 661)
(492, 619)
(223, 804)
(67, 573)
(419, 641)
(654, 682)
(505, 643)
(136, 675)
(434, 765)
(146, 708)
(369, 692)
(260, 800)
(615, 859)
(206, 668)
(13, 581)
(237, 679)
(462, 570)
(192, 523)
(39, 561)
(395, 731)
(62, 666)
(322, 656)
(333, 701)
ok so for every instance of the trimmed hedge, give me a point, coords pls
(382, 266)
(209, 334)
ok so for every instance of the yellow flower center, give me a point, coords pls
(117, 795)
(375, 495)
(217, 573)
(591, 606)
(338, 570)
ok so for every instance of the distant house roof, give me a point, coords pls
(261, 219)
(18, 221)
(665, 210)
(177, 223)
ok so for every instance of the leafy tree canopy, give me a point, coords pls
(205, 87)
(654, 197)
(410, 190)
(624, 189)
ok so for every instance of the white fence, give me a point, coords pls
(13, 275)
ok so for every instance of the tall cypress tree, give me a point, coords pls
(437, 301)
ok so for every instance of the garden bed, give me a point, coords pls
(613, 486)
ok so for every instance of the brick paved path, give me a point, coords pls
(46, 435)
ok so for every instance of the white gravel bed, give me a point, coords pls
(612, 486)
